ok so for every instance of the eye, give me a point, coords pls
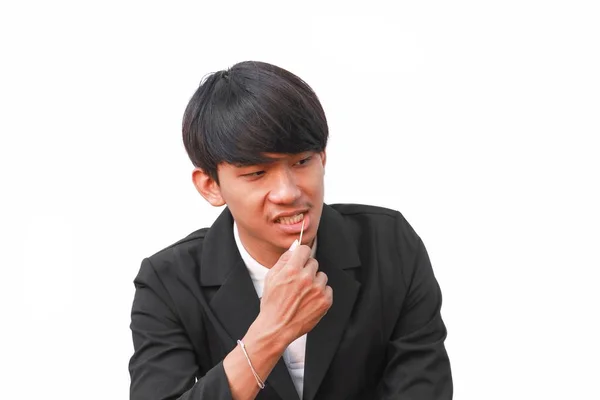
(254, 174)
(304, 161)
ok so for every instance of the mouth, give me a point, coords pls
(290, 220)
(294, 223)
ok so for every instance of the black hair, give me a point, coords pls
(237, 115)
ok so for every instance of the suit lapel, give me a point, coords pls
(335, 253)
(235, 304)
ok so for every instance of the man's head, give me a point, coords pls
(257, 134)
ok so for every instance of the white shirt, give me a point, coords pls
(294, 355)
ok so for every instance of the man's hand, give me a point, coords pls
(296, 295)
(295, 298)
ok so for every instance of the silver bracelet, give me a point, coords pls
(259, 381)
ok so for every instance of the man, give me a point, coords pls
(240, 310)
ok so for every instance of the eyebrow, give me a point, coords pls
(266, 160)
(263, 161)
(256, 164)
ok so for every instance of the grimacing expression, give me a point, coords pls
(270, 201)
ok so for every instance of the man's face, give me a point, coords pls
(269, 202)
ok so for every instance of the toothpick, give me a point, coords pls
(301, 231)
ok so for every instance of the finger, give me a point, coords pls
(294, 245)
(312, 266)
(308, 274)
(329, 294)
(321, 279)
(326, 303)
(299, 257)
(285, 257)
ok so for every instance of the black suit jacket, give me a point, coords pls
(383, 337)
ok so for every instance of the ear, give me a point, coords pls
(207, 187)
(324, 158)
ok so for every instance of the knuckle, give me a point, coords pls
(284, 274)
(306, 279)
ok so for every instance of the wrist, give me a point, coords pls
(268, 338)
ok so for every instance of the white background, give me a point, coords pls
(478, 120)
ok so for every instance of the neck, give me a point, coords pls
(265, 254)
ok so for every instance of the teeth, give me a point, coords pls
(291, 220)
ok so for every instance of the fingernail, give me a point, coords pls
(294, 245)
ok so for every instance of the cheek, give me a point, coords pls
(313, 185)
(243, 197)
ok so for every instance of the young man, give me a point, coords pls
(240, 311)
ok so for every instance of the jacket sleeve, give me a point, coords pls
(164, 364)
(418, 367)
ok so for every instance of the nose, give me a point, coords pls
(285, 189)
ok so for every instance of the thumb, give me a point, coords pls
(294, 245)
(285, 257)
